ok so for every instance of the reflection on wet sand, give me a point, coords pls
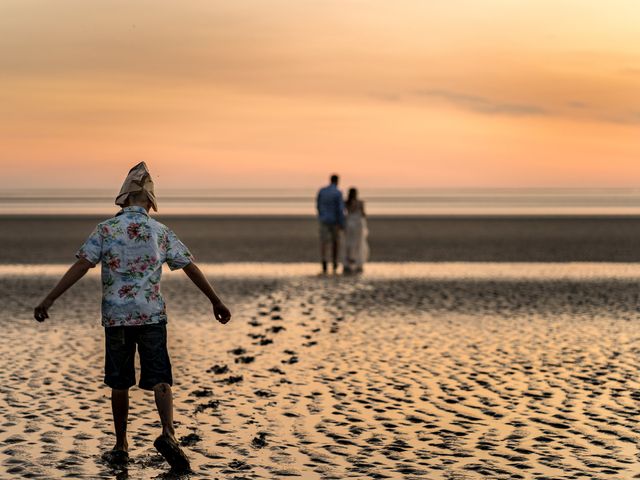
(432, 376)
(385, 270)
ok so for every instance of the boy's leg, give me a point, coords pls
(164, 403)
(166, 443)
(156, 375)
(120, 409)
(119, 375)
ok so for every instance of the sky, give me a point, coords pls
(281, 93)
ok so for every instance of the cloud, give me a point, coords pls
(624, 118)
(631, 71)
(386, 97)
(577, 104)
(484, 105)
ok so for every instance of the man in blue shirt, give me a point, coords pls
(331, 216)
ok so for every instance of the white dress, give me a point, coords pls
(356, 247)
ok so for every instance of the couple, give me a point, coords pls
(331, 213)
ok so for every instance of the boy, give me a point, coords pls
(132, 248)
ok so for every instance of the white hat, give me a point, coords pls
(138, 180)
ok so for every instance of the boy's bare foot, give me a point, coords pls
(121, 448)
(116, 456)
(172, 453)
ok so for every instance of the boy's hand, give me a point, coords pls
(40, 312)
(75, 273)
(221, 312)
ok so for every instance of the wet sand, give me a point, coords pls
(334, 378)
(54, 239)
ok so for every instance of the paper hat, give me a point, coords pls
(138, 180)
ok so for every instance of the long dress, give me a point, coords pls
(356, 233)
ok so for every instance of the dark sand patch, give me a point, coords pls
(392, 239)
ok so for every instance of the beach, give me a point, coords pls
(423, 374)
(345, 240)
(515, 359)
(272, 238)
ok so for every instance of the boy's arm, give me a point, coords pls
(220, 311)
(75, 273)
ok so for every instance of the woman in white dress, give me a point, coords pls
(356, 248)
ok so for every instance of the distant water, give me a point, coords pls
(302, 201)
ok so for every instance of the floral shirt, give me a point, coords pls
(132, 248)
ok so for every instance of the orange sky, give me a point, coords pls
(272, 93)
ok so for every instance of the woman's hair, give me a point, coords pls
(353, 195)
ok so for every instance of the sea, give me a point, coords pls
(301, 202)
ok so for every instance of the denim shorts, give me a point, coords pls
(120, 350)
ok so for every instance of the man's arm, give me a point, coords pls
(220, 311)
(75, 273)
(340, 212)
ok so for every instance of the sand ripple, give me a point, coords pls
(338, 378)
